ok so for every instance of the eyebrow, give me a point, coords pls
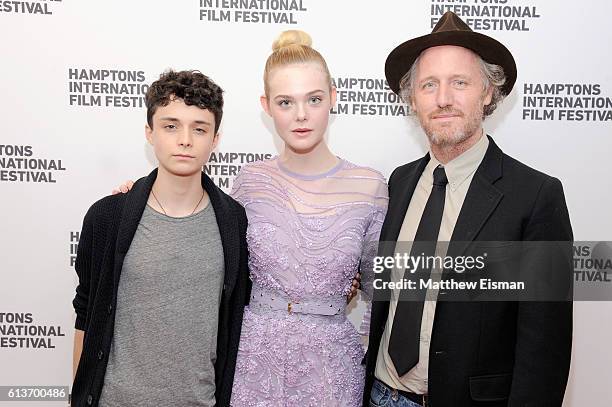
(308, 94)
(174, 119)
(434, 78)
(428, 78)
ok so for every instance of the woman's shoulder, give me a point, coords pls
(251, 177)
(368, 182)
(258, 167)
(357, 170)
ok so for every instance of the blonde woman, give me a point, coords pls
(314, 220)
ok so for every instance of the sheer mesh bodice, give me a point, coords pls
(308, 236)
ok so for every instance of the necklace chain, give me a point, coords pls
(162, 207)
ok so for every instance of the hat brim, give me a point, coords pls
(400, 60)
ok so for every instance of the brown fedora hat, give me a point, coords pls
(450, 30)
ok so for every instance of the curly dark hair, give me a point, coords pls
(193, 87)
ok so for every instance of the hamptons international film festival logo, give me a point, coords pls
(488, 15)
(19, 163)
(366, 97)
(252, 11)
(222, 167)
(581, 102)
(106, 88)
(44, 7)
(23, 330)
(593, 262)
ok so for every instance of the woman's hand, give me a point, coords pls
(354, 287)
(123, 188)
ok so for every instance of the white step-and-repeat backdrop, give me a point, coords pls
(73, 76)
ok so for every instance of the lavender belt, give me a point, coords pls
(265, 298)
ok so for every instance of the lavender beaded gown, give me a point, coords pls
(308, 236)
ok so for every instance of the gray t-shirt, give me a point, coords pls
(165, 336)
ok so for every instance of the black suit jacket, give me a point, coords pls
(491, 353)
(108, 229)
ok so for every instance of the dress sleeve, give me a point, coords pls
(369, 251)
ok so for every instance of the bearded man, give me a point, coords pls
(468, 353)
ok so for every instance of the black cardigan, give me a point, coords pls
(106, 235)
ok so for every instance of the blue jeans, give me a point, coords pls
(382, 396)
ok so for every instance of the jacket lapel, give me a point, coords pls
(481, 200)
(228, 229)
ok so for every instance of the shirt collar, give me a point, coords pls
(459, 169)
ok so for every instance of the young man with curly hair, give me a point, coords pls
(163, 274)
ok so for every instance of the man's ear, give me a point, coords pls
(263, 99)
(149, 133)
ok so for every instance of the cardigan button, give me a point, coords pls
(100, 355)
(90, 400)
(110, 309)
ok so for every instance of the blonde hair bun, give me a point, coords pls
(292, 37)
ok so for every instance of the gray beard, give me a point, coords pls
(441, 140)
(445, 138)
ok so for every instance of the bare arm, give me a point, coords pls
(78, 348)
